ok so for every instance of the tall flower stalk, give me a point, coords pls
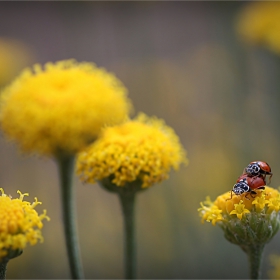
(127, 196)
(127, 200)
(56, 111)
(66, 166)
(249, 222)
(127, 159)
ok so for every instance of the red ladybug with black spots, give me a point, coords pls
(247, 184)
(253, 178)
(258, 169)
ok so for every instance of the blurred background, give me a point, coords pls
(183, 62)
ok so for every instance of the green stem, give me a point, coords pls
(255, 253)
(128, 204)
(66, 168)
(3, 269)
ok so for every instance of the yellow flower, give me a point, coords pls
(210, 213)
(143, 149)
(258, 23)
(20, 224)
(14, 55)
(61, 107)
(239, 210)
(260, 202)
(226, 202)
(273, 204)
(230, 204)
(245, 219)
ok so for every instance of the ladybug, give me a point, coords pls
(246, 184)
(253, 182)
(258, 168)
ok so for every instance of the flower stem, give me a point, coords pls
(255, 253)
(66, 167)
(3, 269)
(128, 204)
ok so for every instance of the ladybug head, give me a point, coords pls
(253, 169)
(256, 168)
(241, 187)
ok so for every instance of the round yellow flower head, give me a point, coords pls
(20, 224)
(61, 107)
(142, 150)
(258, 23)
(246, 219)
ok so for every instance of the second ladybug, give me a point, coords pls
(258, 168)
(246, 184)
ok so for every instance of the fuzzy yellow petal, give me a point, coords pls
(142, 149)
(20, 223)
(61, 107)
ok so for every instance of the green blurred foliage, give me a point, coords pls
(182, 62)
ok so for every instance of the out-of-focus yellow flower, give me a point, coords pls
(20, 224)
(143, 149)
(275, 262)
(61, 107)
(14, 55)
(259, 23)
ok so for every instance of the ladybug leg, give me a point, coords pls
(262, 188)
(253, 193)
(246, 196)
(230, 195)
(269, 180)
